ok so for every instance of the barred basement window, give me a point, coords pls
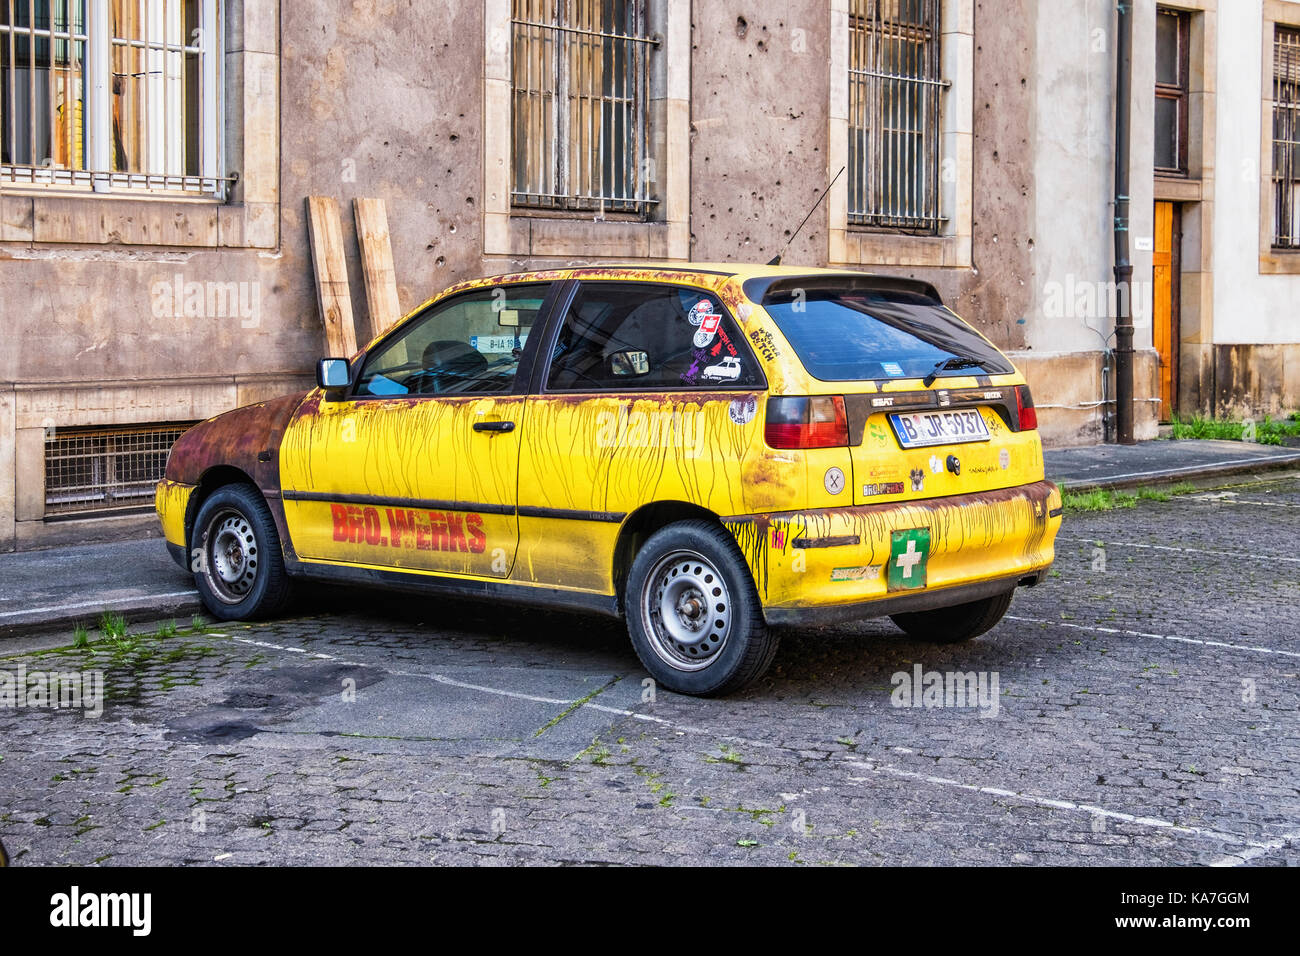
(1286, 139)
(580, 78)
(895, 83)
(106, 469)
(111, 94)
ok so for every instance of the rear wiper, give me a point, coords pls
(957, 361)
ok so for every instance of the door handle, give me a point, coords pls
(494, 426)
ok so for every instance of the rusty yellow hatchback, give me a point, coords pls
(705, 451)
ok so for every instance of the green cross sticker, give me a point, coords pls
(909, 550)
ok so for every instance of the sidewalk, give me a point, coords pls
(58, 588)
(1162, 462)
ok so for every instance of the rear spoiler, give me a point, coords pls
(763, 289)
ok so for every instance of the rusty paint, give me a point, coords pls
(235, 439)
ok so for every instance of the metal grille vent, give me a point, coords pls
(106, 469)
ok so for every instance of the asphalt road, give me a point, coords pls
(1144, 711)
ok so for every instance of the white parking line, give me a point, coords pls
(1240, 501)
(1066, 805)
(97, 604)
(1124, 632)
(1256, 851)
(1069, 805)
(1099, 542)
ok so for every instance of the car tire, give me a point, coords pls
(236, 558)
(952, 625)
(705, 648)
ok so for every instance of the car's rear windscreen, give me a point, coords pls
(849, 335)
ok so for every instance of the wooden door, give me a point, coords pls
(1166, 281)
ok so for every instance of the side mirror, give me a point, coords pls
(333, 373)
(629, 363)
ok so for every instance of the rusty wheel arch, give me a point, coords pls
(640, 525)
(215, 477)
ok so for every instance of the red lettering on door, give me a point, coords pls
(438, 526)
(373, 531)
(340, 516)
(474, 524)
(456, 533)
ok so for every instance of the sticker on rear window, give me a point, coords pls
(709, 323)
(728, 370)
(698, 311)
(892, 368)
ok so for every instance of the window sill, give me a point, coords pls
(41, 216)
(1284, 262)
(549, 236)
(1176, 187)
(8, 188)
(857, 247)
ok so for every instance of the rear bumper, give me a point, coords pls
(828, 565)
(926, 600)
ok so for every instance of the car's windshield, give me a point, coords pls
(851, 335)
(470, 344)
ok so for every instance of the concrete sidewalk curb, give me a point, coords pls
(146, 607)
(1191, 473)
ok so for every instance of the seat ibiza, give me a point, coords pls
(708, 452)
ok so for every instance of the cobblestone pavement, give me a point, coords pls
(1146, 712)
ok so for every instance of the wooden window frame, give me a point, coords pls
(1180, 92)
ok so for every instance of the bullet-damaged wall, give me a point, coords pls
(759, 80)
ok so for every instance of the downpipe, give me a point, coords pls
(1123, 262)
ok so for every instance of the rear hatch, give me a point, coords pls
(930, 404)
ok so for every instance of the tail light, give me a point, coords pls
(1025, 409)
(818, 421)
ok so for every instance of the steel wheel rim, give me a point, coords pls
(230, 556)
(686, 609)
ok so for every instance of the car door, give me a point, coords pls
(626, 414)
(416, 466)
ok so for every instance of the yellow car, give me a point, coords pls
(704, 451)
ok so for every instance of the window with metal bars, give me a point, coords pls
(895, 88)
(1286, 138)
(111, 94)
(580, 118)
(106, 469)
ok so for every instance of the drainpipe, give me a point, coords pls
(1123, 264)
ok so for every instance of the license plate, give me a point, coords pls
(922, 429)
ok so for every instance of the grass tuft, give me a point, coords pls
(1266, 432)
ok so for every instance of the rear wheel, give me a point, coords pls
(952, 625)
(236, 558)
(693, 613)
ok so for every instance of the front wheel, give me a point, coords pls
(235, 556)
(693, 613)
(952, 625)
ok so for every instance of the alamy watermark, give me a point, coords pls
(922, 688)
(55, 690)
(1087, 299)
(175, 298)
(673, 428)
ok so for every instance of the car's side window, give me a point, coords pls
(636, 336)
(469, 344)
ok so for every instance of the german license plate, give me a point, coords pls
(922, 429)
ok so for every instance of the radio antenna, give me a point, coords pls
(776, 261)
